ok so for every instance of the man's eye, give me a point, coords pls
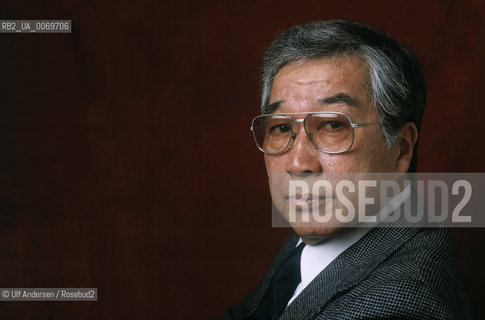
(336, 124)
(330, 125)
(280, 128)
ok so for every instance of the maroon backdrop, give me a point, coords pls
(126, 161)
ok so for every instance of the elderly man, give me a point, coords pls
(341, 97)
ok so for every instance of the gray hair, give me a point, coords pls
(396, 82)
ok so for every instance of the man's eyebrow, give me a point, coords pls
(270, 108)
(340, 98)
(336, 98)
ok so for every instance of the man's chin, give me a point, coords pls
(315, 235)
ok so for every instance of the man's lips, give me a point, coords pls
(306, 201)
(307, 196)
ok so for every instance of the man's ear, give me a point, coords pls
(408, 135)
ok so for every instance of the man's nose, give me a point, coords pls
(303, 156)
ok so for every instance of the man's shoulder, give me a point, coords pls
(423, 256)
(418, 280)
(427, 258)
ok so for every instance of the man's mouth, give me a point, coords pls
(306, 201)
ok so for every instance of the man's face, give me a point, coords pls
(306, 86)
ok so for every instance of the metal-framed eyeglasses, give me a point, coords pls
(329, 132)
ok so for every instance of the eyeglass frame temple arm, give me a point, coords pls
(360, 125)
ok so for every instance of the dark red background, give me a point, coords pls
(126, 161)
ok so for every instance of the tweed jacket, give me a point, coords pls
(390, 273)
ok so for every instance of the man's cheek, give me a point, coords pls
(335, 163)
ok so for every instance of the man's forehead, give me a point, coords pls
(327, 75)
(326, 81)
